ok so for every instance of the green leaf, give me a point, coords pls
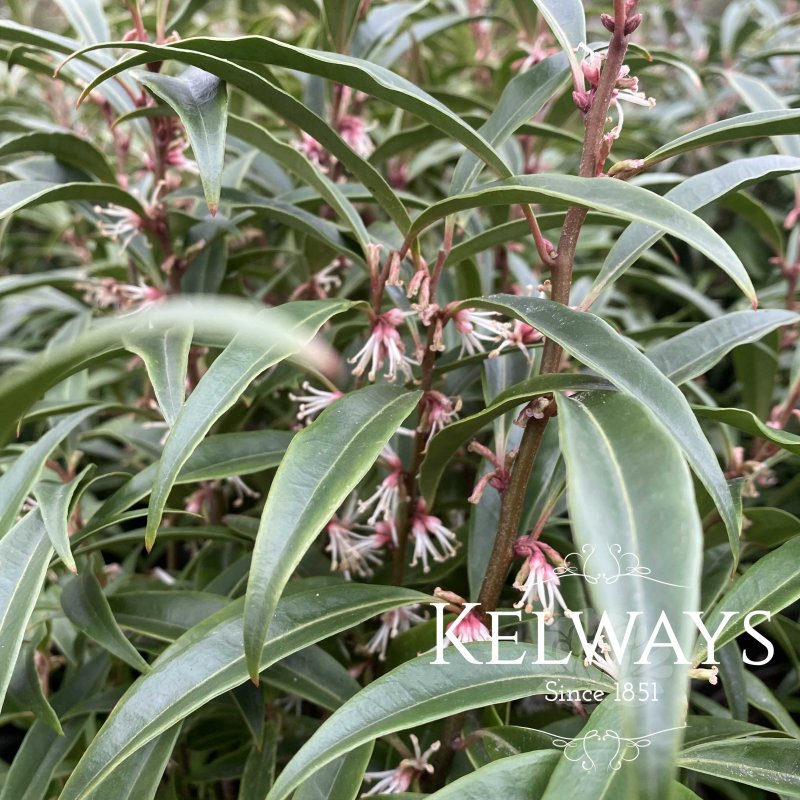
(25, 554)
(749, 423)
(214, 458)
(259, 769)
(25, 687)
(322, 465)
(138, 777)
(208, 661)
(215, 320)
(417, 693)
(745, 126)
(760, 697)
(608, 195)
(769, 764)
(594, 342)
(201, 101)
(522, 98)
(293, 160)
(18, 480)
(566, 20)
(615, 453)
(278, 102)
(165, 355)
(54, 501)
(772, 583)
(445, 443)
(222, 385)
(66, 146)
(760, 97)
(693, 193)
(341, 17)
(515, 778)
(87, 18)
(693, 352)
(87, 609)
(341, 778)
(16, 195)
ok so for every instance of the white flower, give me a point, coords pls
(314, 402)
(351, 552)
(398, 620)
(397, 780)
(431, 538)
(386, 498)
(470, 629)
(438, 410)
(603, 660)
(537, 579)
(384, 343)
(477, 327)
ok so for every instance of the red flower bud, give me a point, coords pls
(608, 22)
(632, 24)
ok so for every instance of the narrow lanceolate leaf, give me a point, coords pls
(695, 351)
(615, 453)
(444, 445)
(772, 583)
(201, 101)
(769, 764)
(16, 195)
(25, 687)
(341, 778)
(695, 192)
(566, 20)
(594, 343)
(215, 458)
(54, 501)
(278, 102)
(748, 422)
(417, 693)
(138, 777)
(208, 661)
(295, 161)
(322, 465)
(87, 18)
(746, 126)
(223, 384)
(341, 17)
(165, 355)
(608, 195)
(362, 75)
(522, 98)
(66, 146)
(218, 320)
(87, 609)
(516, 778)
(24, 554)
(759, 96)
(19, 479)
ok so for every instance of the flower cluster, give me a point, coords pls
(399, 779)
(537, 578)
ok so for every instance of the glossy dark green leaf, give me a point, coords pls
(65, 146)
(748, 422)
(165, 355)
(615, 453)
(25, 554)
(515, 778)
(608, 195)
(208, 660)
(341, 778)
(86, 607)
(417, 693)
(444, 445)
(322, 465)
(201, 101)
(595, 343)
(769, 764)
(772, 583)
(696, 350)
(222, 385)
(693, 193)
(745, 126)
(215, 458)
(16, 195)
